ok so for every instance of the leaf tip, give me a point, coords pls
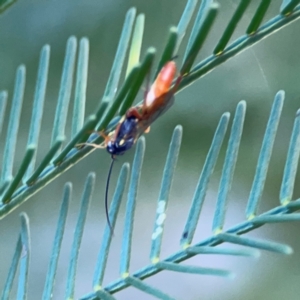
(173, 29)
(214, 6)
(226, 115)
(72, 42)
(31, 147)
(92, 176)
(22, 69)
(288, 250)
(151, 50)
(131, 10)
(3, 94)
(24, 217)
(179, 128)
(281, 94)
(46, 48)
(84, 40)
(242, 103)
(231, 275)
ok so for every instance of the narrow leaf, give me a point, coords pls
(229, 166)
(204, 6)
(185, 20)
(276, 218)
(291, 165)
(85, 200)
(130, 206)
(24, 259)
(136, 43)
(38, 105)
(163, 197)
(66, 82)
(192, 269)
(80, 89)
(256, 243)
(258, 16)
(265, 156)
(12, 271)
(223, 251)
(204, 178)
(115, 73)
(168, 52)
(231, 26)
(200, 38)
(50, 278)
(13, 126)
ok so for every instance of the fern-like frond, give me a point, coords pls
(188, 248)
(117, 98)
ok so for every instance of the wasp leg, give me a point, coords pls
(105, 137)
(100, 146)
(147, 130)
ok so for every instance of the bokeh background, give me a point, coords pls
(254, 75)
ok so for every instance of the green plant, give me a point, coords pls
(102, 118)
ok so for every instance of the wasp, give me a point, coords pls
(137, 120)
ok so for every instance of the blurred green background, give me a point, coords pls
(255, 75)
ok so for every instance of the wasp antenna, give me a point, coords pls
(106, 193)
